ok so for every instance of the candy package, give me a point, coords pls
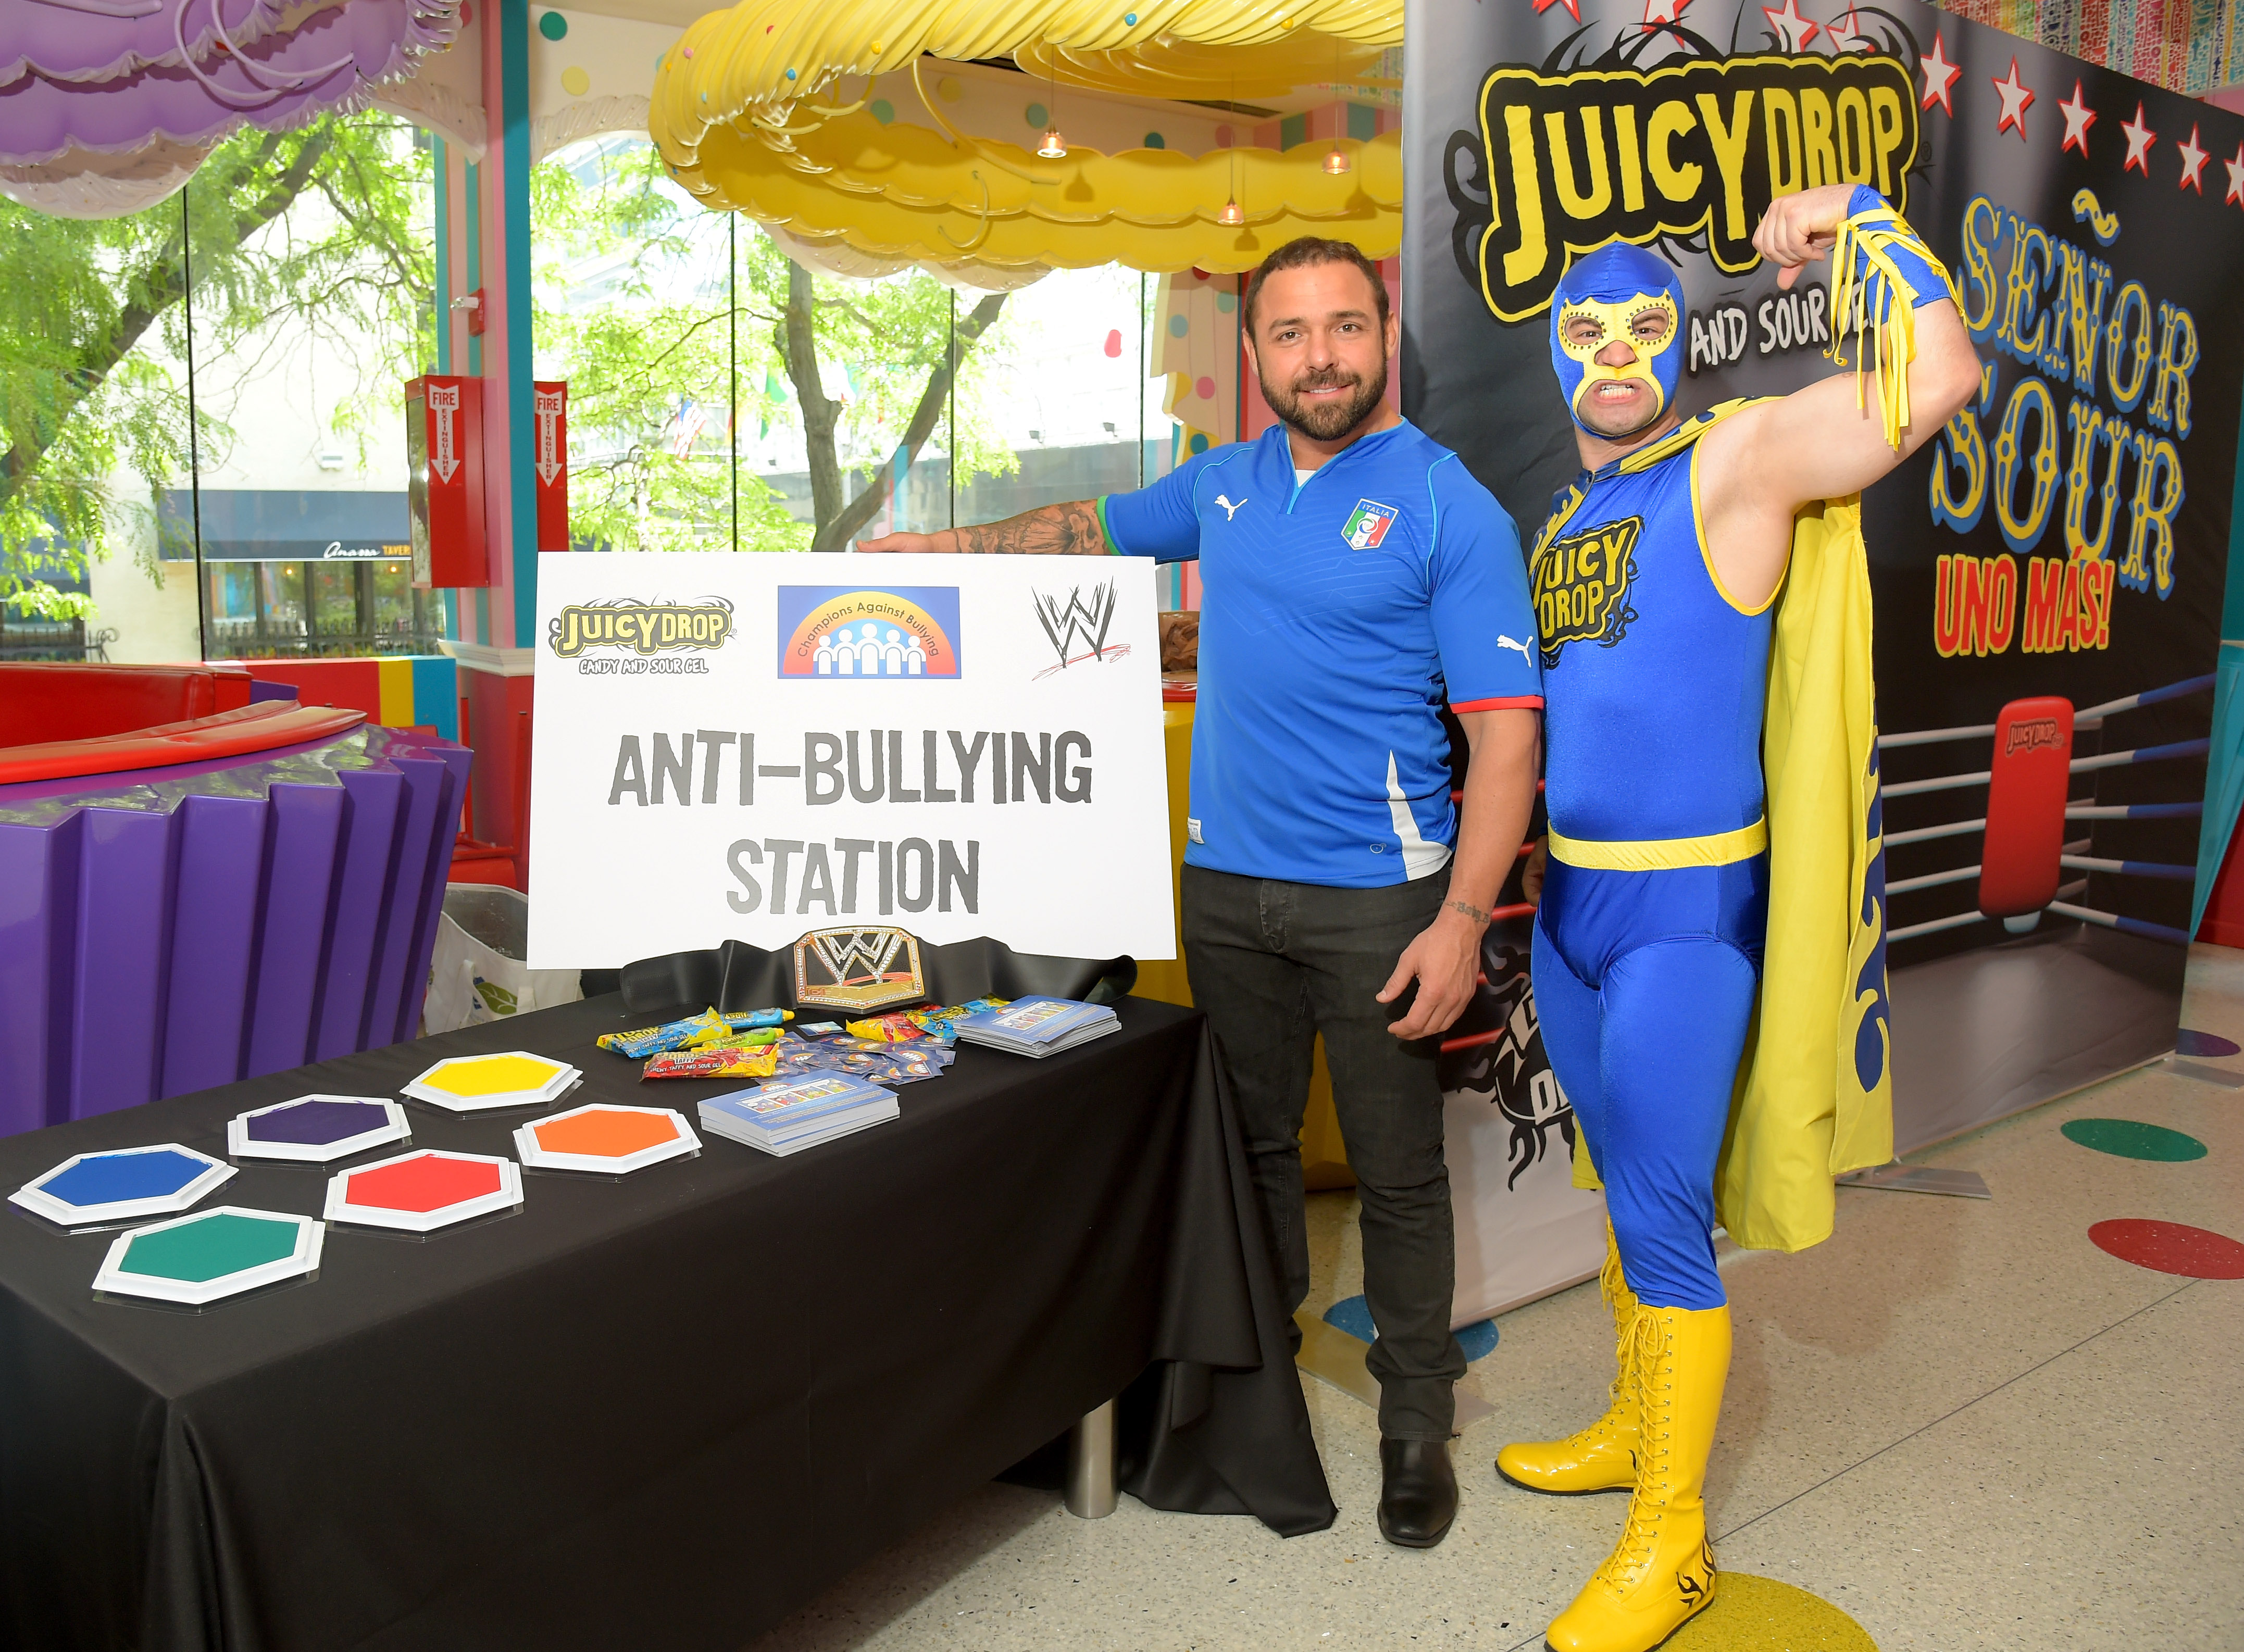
(896, 1028)
(936, 1023)
(692, 1031)
(711, 1063)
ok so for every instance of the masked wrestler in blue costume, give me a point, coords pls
(1655, 582)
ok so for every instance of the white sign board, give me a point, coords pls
(747, 746)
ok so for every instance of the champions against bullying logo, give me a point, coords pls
(847, 631)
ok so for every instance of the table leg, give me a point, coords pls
(1091, 1494)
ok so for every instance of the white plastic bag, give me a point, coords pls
(475, 973)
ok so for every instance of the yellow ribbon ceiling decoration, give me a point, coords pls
(745, 113)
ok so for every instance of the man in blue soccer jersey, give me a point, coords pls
(1356, 579)
(1655, 579)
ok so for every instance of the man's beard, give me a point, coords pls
(1325, 420)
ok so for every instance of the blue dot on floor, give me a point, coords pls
(1353, 1315)
(2189, 1041)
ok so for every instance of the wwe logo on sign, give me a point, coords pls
(1078, 629)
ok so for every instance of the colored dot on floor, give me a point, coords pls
(2127, 1138)
(1178, 327)
(576, 82)
(1353, 1315)
(2189, 1041)
(1154, 140)
(553, 25)
(1753, 1613)
(2171, 1247)
(883, 110)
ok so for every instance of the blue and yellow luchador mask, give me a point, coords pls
(1625, 290)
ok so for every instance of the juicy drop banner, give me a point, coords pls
(750, 747)
(2047, 574)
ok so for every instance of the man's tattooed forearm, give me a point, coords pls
(1071, 529)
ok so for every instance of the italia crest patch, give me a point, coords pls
(1367, 524)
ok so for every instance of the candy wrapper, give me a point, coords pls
(938, 1023)
(712, 1063)
(896, 1028)
(694, 1031)
(868, 1058)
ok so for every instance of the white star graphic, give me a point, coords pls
(1847, 34)
(1795, 31)
(1657, 12)
(1939, 76)
(2078, 117)
(2193, 163)
(2140, 139)
(2236, 177)
(2017, 99)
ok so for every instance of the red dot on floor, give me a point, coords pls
(2171, 1247)
(1114, 342)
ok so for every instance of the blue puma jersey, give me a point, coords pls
(1337, 616)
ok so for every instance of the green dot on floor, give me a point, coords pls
(1753, 1613)
(2129, 1138)
(553, 25)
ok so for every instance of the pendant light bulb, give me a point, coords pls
(1231, 216)
(1336, 161)
(1054, 146)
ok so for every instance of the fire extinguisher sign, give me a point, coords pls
(551, 438)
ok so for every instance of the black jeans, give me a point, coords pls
(1273, 964)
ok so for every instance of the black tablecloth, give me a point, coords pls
(658, 1412)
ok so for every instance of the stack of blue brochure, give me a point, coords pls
(787, 1115)
(1036, 1026)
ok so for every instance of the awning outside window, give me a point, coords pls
(269, 525)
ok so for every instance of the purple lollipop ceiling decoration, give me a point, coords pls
(111, 77)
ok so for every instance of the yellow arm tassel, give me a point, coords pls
(1868, 287)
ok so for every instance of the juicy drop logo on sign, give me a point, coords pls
(728, 789)
(643, 627)
(1580, 581)
(1576, 160)
(1367, 524)
(847, 631)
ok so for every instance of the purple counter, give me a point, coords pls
(169, 929)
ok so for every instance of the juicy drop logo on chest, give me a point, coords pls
(1367, 524)
(1581, 583)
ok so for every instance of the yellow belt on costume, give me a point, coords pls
(1659, 854)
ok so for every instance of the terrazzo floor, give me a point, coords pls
(1957, 1420)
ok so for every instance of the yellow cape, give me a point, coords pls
(1815, 1092)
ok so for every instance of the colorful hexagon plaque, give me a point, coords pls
(211, 1255)
(89, 1189)
(316, 1130)
(605, 1137)
(421, 1192)
(482, 1083)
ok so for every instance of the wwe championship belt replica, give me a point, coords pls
(858, 969)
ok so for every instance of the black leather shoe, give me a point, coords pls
(1417, 1491)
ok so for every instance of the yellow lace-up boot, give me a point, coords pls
(1663, 1569)
(1601, 1458)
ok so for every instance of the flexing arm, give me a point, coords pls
(1499, 798)
(1071, 529)
(1826, 440)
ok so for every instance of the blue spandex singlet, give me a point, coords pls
(1648, 939)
